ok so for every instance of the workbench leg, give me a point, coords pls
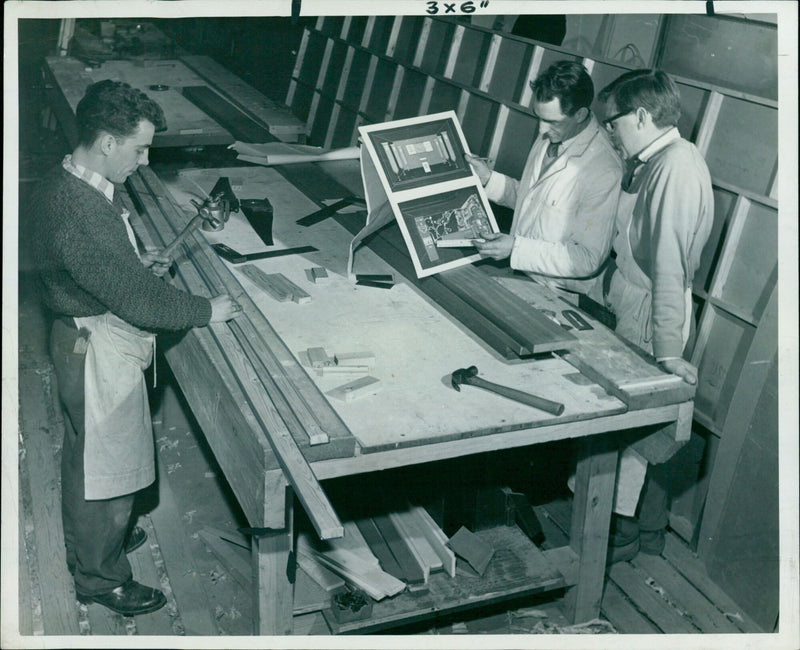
(591, 517)
(274, 563)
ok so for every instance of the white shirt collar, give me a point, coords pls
(658, 144)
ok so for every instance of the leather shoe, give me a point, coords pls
(129, 599)
(136, 538)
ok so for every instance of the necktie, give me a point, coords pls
(550, 155)
(631, 165)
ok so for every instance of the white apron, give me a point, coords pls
(118, 452)
(630, 297)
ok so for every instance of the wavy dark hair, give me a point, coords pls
(651, 89)
(115, 107)
(569, 82)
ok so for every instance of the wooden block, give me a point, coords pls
(364, 358)
(356, 389)
(263, 281)
(297, 294)
(318, 358)
(473, 549)
(316, 273)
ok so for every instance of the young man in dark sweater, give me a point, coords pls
(107, 299)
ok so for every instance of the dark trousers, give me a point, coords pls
(94, 531)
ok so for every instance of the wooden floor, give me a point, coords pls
(669, 594)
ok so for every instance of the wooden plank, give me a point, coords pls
(656, 608)
(688, 565)
(193, 605)
(623, 614)
(241, 126)
(512, 314)
(518, 568)
(379, 547)
(57, 589)
(437, 539)
(325, 578)
(279, 120)
(412, 570)
(694, 605)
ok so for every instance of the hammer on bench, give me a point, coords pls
(469, 376)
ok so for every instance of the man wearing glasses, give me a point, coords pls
(665, 216)
(566, 200)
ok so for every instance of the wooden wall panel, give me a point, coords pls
(335, 68)
(380, 33)
(722, 344)
(407, 39)
(510, 75)
(693, 102)
(301, 104)
(444, 97)
(380, 91)
(518, 136)
(745, 151)
(723, 209)
(332, 25)
(471, 58)
(345, 133)
(410, 97)
(478, 123)
(322, 119)
(356, 30)
(748, 282)
(434, 58)
(356, 80)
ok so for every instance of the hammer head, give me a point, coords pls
(462, 376)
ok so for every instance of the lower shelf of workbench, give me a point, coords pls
(518, 568)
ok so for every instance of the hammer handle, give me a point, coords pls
(182, 235)
(556, 408)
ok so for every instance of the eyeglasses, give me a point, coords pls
(609, 121)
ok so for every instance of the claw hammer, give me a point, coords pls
(469, 376)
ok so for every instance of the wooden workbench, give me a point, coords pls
(417, 418)
(187, 124)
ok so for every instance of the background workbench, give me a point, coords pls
(417, 418)
(166, 81)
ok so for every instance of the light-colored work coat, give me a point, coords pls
(564, 216)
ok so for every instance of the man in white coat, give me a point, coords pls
(566, 201)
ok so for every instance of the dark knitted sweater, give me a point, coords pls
(88, 266)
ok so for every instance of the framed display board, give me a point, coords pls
(414, 171)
